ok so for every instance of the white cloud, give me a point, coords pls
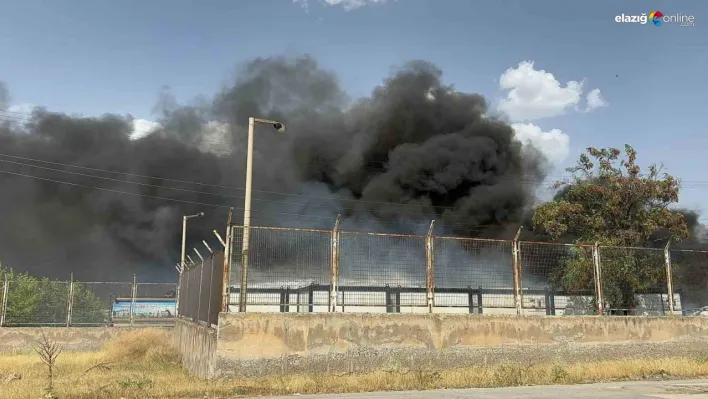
(143, 127)
(348, 5)
(24, 108)
(17, 115)
(353, 4)
(303, 3)
(535, 94)
(554, 144)
(213, 133)
(595, 100)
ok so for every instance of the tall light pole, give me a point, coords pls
(184, 252)
(247, 204)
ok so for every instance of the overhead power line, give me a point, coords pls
(359, 220)
(153, 177)
(197, 191)
(471, 228)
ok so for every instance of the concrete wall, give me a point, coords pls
(197, 347)
(23, 339)
(254, 344)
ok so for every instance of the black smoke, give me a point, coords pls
(413, 151)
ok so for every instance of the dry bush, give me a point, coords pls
(48, 352)
(142, 345)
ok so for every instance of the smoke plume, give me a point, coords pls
(414, 150)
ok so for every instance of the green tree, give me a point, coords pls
(610, 201)
(32, 301)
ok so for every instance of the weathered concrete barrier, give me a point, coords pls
(253, 344)
(24, 339)
(197, 347)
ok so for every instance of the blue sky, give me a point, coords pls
(97, 56)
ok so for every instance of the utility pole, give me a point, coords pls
(247, 204)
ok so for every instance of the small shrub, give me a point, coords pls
(48, 352)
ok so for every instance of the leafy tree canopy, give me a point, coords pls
(609, 200)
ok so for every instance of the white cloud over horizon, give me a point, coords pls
(533, 94)
(212, 133)
(348, 5)
(595, 100)
(143, 127)
(22, 108)
(536, 94)
(554, 144)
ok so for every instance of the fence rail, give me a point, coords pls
(27, 302)
(303, 270)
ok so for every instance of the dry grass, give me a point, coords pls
(143, 345)
(143, 365)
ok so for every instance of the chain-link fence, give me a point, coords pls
(306, 270)
(93, 303)
(303, 270)
(473, 274)
(285, 266)
(634, 280)
(373, 269)
(557, 278)
(690, 280)
(28, 302)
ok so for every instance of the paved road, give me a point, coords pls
(693, 389)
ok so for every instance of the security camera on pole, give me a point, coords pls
(280, 127)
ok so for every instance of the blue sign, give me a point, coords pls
(145, 308)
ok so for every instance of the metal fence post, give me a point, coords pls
(430, 268)
(3, 305)
(132, 299)
(226, 278)
(211, 288)
(597, 265)
(211, 282)
(334, 267)
(201, 281)
(179, 291)
(669, 277)
(70, 301)
(516, 264)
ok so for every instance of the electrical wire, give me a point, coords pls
(19, 116)
(213, 185)
(196, 191)
(472, 228)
